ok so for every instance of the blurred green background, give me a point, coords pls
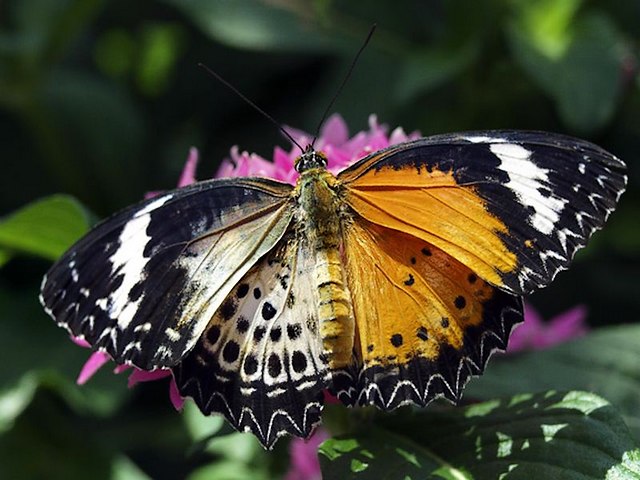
(102, 99)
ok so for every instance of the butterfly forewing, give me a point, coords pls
(512, 206)
(143, 284)
(259, 361)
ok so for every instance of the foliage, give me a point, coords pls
(525, 436)
(99, 103)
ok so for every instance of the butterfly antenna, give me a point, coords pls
(344, 82)
(256, 107)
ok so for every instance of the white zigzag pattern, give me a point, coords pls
(237, 421)
(587, 231)
(367, 393)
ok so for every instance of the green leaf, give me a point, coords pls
(579, 67)
(200, 426)
(46, 227)
(431, 68)
(14, 400)
(227, 470)
(160, 48)
(39, 353)
(99, 154)
(123, 468)
(577, 435)
(255, 24)
(605, 361)
(44, 443)
(41, 22)
(5, 256)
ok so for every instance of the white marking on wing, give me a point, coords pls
(129, 260)
(525, 180)
(484, 139)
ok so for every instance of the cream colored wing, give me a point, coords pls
(259, 362)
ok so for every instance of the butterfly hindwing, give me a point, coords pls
(425, 322)
(512, 206)
(143, 284)
(259, 362)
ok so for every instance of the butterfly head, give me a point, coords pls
(310, 159)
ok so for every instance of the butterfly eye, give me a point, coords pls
(309, 160)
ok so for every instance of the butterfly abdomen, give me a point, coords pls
(319, 210)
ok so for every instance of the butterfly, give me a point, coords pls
(390, 283)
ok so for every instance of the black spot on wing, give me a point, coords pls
(248, 401)
(418, 380)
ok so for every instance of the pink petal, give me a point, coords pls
(80, 342)
(151, 194)
(532, 315)
(330, 399)
(356, 144)
(226, 169)
(374, 127)
(572, 320)
(414, 135)
(337, 159)
(188, 175)
(121, 368)
(334, 131)
(282, 159)
(303, 138)
(304, 457)
(92, 365)
(564, 327)
(524, 334)
(536, 334)
(143, 376)
(174, 395)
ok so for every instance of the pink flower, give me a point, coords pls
(536, 334)
(341, 151)
(304, 457)
(98, 359)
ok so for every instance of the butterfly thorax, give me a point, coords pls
(319, 232)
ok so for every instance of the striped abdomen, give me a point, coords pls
(319, 205)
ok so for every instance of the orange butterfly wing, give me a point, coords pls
(446, 233)
(424, 321)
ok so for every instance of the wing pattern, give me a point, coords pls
(143, 284)
(259, 361)
(541, 195)
(425, 323)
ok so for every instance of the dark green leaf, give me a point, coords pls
(45, 27)
(576, 434)
(39, 353)
(45, 443)
(46, 227)
(5, 256)
(159, 50)
(580, 70)
(228, 470)
(123, 468)
(256, 25)
(107, 131)
(424, 71)
(15, 399)
(606, 361)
